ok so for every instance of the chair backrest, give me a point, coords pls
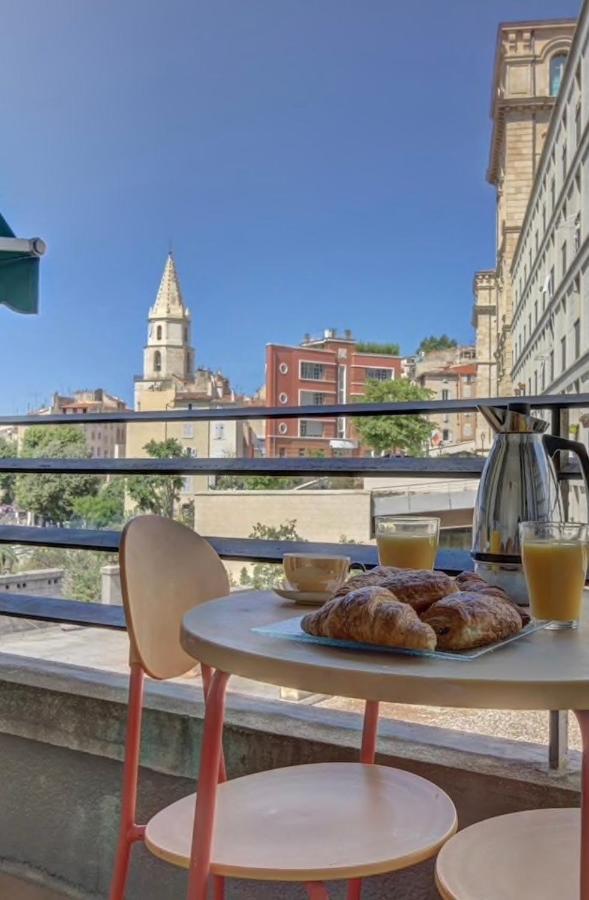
(166, 570)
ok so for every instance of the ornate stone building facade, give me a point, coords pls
(529, 61)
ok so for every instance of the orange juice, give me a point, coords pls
(555, 574)
(407, 551)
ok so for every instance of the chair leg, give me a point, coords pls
(206, 795)
(317, 891)
(355, 889)
(219, 883)
(207, 674)
(129, 831)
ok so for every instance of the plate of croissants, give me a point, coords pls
(420, 612)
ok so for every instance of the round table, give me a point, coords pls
(545, 670)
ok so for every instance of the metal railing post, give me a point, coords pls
(558, 719)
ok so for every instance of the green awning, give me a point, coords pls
(19, 270)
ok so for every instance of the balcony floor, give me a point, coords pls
(17, 889)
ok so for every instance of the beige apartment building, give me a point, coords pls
(551, 260)
(450, 375)
(529, 62)
(170, 381)
(104, 439)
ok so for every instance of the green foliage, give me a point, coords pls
(388, 349)
(8, 560)
(52, 497)
(106, 509)
(387, 434)
(265, 576)
(158, 494)
(257, 482)
(8, 450)
(82, 578)
(431, 343)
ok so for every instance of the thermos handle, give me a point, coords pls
(553, 444)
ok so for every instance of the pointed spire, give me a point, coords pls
(169, 301)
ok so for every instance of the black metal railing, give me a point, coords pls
(247, 549)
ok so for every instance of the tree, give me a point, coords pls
(432, 343)
(82, 569)
(106, 509)
(265, 576)
(158, 494)
(52, 497)
(8, 450)
(390, 349)
(388, 434)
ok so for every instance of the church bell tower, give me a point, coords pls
(168, 353)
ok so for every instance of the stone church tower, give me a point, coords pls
(168, 354)
(529, 60)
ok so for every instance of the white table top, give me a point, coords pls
(544, 670)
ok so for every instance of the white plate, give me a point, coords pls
(306, 598)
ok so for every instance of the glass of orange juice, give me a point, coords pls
(555, 564)
(409, 542)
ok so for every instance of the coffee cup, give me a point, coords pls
(315, 572)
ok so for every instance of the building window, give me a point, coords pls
(557, 64)
(563, 354)
(551, 284)
(186, 335)
(157, 361)
(536, 240)
(282, 428)
(283, 398)
(536, 382)
(311, 428)
(312, 371)
(577, 231)
(187, 485)
(445, 394)
(219, 431)
(301, 451)
(543, 217)
(535, 312)
(564, 162)
(551, 366)
(578, 123)
(282, 451)
(283, 368)
(379, 374)
(543, 377)
(552, 195)
(577, 333)
(158, 333)
(563, 256)
(446, 434)
(313, 398)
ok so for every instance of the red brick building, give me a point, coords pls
(319, 372)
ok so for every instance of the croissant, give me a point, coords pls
(370, 615)
(419, 587)
(472, 582)
(470, 619)
(376, 576)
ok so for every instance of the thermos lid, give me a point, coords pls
(513, 419)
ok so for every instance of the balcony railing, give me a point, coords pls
(246, 549)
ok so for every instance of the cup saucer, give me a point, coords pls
(304, 598)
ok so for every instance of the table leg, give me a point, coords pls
(369, 732)
(317, 891)
(583, 719)
(204, 819)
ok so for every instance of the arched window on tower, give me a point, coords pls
(557, 64)
(157, 361)
(158, 333)
(186, 335)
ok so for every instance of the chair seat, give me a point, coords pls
(313, 822)
(530, 855)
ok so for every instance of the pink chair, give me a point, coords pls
(306, 824)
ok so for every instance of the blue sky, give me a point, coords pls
(315, 163)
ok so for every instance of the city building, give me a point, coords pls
(104, 439)
(170, 381)
(319, 372)
(529, 63)
(549, 272)
(450, 375)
